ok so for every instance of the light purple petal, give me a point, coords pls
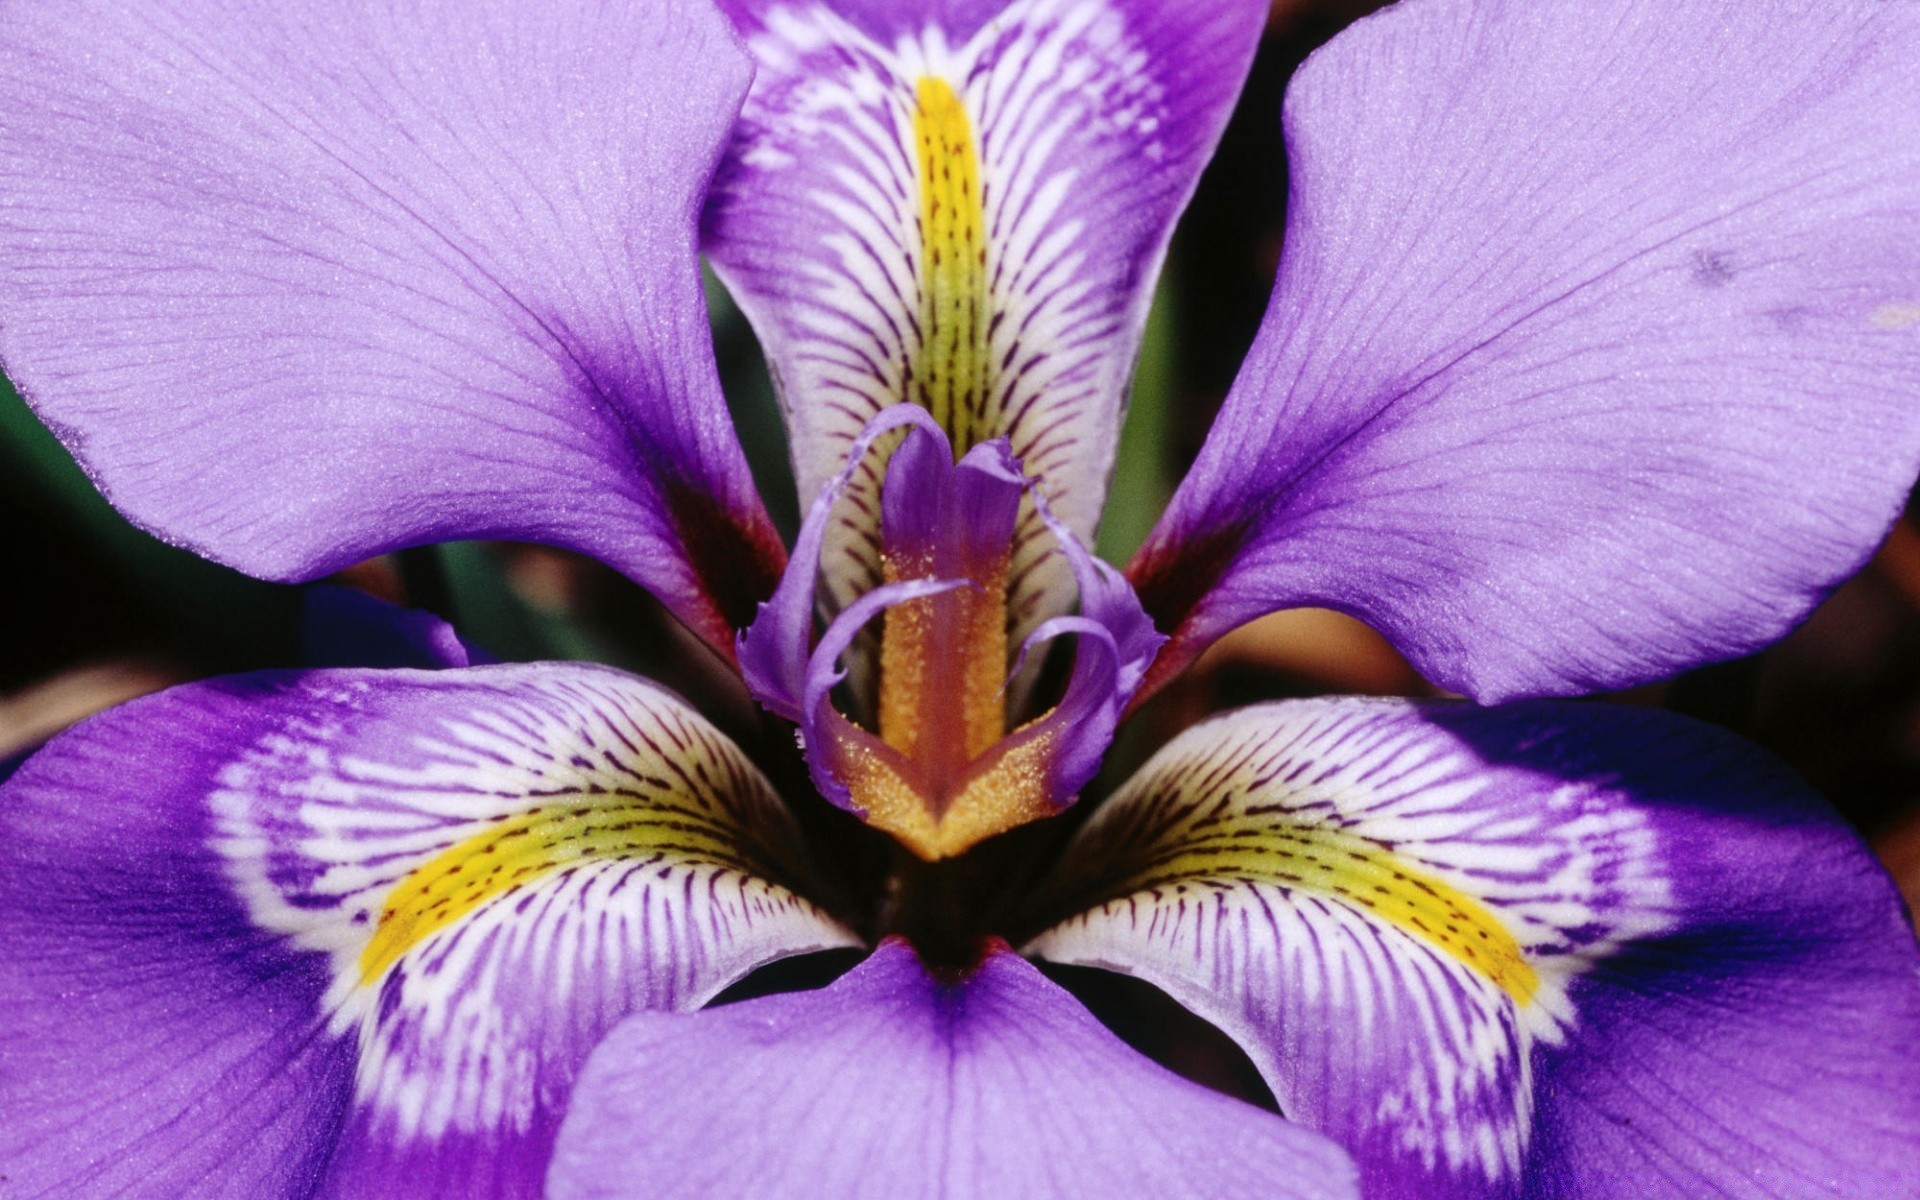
(303, 282)
(1595, 350)
(983, 245)
(901, 1082)
(1548, 950)
(357, 930)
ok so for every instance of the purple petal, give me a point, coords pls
(898, 1081)
(303, 282)
(345, 627)
(154, 1043)
(356, 930)
(1595, 348)
(964, 205)
(1522, 952)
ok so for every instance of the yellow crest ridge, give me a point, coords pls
(523, 848)
(952, 371)
(1331, 861)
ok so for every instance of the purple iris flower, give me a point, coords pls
(1594, 353)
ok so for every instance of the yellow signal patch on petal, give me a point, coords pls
(952, 372)
(527, 846)
(1260, 847)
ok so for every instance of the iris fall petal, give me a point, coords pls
(1546, 950)
(352, 933)
(303, 282)
(1595, 348)
(898, 1081)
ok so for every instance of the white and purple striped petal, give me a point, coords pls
(1542, 951)
(905, 1081)
(1595, 349)
(353, 933)
(301, 282)
(964, 206)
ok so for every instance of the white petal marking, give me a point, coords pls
(1218, 874)
(1060, 101)
(473, 1016)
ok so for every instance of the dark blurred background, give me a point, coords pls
(98, 612)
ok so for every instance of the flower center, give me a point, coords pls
(943, 774)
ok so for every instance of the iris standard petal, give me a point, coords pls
(965, 205)
(1595, 350)
(1548, 950)
(302, 282)
(353, 932)
(900, 1081)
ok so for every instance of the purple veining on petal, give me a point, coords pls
(294, 315)
(352, 933)
(900, 1081)
(1521, 952)
(1086, 123)
(1499, 411)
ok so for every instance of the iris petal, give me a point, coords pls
(356, 931)
(965, 207)
(901, 1081)
(303, 282)
(1522, 952)
(1589, 358)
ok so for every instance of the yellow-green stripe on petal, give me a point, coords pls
(951, 369)
(520, 850)
(500, 863)
(969, 216)
(1265, 844)
(1384, 903)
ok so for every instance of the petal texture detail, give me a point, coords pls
(899, 1082)
(1595, 348)
(1523, 952)
(964, 206)
(300, 283)
(352, 933)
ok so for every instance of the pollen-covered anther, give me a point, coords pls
(939, 819)
(943, 771)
